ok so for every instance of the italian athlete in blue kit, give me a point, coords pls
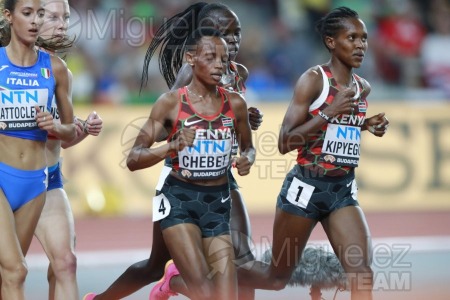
(28, 81)
(24, 88)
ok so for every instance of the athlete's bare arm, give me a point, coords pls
(244, 135)
(164, 111)
(295, 130)
(63, 94)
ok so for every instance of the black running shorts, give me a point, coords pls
(315, 197)
(208, 207)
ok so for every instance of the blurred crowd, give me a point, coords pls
(408, 46)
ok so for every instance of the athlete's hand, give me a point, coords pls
(343, 103)
(79, 126)
(242, 164)
(254, 117)
(185, 138)
(44, 119)
(377, 125)
(93, 124)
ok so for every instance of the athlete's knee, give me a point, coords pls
(14, 274)
(64, 264)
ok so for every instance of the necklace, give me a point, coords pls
(197, 95)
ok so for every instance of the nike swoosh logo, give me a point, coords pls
(3, 67)
(348, 184)
(187, 123)
(226, 199)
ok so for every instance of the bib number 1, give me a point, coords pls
(299, 193)
(161, 207)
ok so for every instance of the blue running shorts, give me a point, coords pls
(21, 186)
(55, 179)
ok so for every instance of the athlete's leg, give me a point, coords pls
(219, 254)
(214, 275)
(141, 273)
(349, 236)
(241, 237)
(290, 235)
(56, 233)
(12, 262)
(16, 234)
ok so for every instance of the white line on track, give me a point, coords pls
(99, 258)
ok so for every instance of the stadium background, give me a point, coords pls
(406, 173)
(410, 164)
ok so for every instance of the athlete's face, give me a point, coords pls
(350, 43)
(210, 59)
(25, 20)
(56, 18)
(228, 24)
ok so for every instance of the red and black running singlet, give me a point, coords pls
(210, 155)
(335, 149)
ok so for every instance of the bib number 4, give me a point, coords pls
(161, 207)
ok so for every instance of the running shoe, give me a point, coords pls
(89, 296)
(162, 291)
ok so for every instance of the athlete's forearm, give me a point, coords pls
(81, 134)
(64, 132)
(141, 158)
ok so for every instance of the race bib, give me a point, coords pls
(206, 159)
(341, 146)
(17, 108)
(161, 207)
(299, 193)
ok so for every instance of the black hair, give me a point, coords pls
(171, 37)
(330, 24)
(210, 13)
(197, 35)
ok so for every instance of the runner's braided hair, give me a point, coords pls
(330, 24)
(172, 35)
